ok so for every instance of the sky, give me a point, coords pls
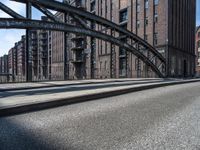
(9, 37)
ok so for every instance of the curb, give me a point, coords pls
(62, 85)
(25, 108)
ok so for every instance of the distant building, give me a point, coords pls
(197, 49)
(4, 77)
(12, 61)
(35, 54)
(4, 64)
(41, 53)
(21, 59)
(17, 61)
(58, 52)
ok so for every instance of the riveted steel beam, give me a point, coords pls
(47, 13)
(77, 18)
(10, 11)
(34, 24)
(58, 6)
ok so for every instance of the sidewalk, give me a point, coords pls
(45, 84)
(19, 101)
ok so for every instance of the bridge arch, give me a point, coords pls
(135, 46)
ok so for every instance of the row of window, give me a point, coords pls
(155, 38)
(146, 5)
(124, 17)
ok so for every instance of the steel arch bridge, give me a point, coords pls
(134, 44)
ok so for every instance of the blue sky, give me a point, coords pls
(9, 37)
(198, 13)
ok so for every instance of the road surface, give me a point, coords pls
(161, 118)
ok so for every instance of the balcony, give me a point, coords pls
(44, 56)
(122, 72)
(78, 38)
(33, 37)
(34, 43)
(79, 48)
(43, 37)
(78, 60)
(35, 59)
(122, 53)
(43, 43)
(34, 53)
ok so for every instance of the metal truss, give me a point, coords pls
(134, 44)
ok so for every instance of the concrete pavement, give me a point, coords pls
(155, 119)
(19, 101)
(43, 84)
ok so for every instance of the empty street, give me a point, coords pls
(160, 118)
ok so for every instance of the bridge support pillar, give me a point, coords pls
(28, 46)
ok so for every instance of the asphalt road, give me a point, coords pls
(162, 118)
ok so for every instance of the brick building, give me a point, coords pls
(21, 59)
(4, 64)
(4, 77)
(58, 52)
(197, 49)
(12, 61)
(168, 25)
(41, 53)
(41, 57)
(17, 60)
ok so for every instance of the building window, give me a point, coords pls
(123, 15)
(156, 18)
(100, 65)
(79, 3)
(199, 35)
(122, 52)
(138, 8)
(156, 14)
(93, 25)
(146, 21)
(156, 2)
(122, 67)
(105, 67)
(146, 37)
(101, 11)
(155, 38)
(146, 4)
(138, 24)
(92, 6)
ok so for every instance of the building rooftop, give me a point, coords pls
(197, 28)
